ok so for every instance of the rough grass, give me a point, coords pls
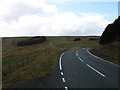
(42, 65)
(110, 52)
(10, 43)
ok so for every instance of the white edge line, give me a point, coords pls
(60, 61)
(63, 79)
(102, 59)
(80, 59)
(66, 88)
(96, 70)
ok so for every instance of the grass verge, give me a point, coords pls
(42, 66)
(110, 52)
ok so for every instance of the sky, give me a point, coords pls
(56, 17)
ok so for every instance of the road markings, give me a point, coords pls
(80, 59)
(60, 61)
(61, 73)
(66, 88)
(96, 70)
(60, 65)
(102, 59)
(76, 53)
(63, 79)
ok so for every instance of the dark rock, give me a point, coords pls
(33, 40)
(77, 39)
(111, 33)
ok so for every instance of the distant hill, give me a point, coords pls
(111, 33)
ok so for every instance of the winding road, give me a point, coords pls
(81, 69)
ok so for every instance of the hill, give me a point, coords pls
(110, 40)
(111, 33)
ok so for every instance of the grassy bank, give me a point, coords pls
(108, 52)
(41, 65)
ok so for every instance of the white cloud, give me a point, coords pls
(14, 9)
(34, 17)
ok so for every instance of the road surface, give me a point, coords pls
(81, 69)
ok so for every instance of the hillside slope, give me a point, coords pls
(110, 52)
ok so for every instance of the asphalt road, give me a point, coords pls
(81, 69)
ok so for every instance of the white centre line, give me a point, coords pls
(66, 88)
(76, 53)
(96, 70)
(63, 79)
(80, 59)
(61, 73)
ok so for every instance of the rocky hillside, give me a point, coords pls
(111, 33)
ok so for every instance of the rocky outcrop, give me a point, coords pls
(33, 40)
(111, 33)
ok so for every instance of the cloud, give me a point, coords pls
(34, 17)
(14, 9)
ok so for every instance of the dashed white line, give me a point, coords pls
(66, 88)
(80, 59)
(61, 73)
(76, 53)
(63, 79)
(96, 70)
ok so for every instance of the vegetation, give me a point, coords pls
(42, 65)
(31, 41)
(109, 52)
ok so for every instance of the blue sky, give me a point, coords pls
(119, 8)
(110, 8)
(55, 17)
